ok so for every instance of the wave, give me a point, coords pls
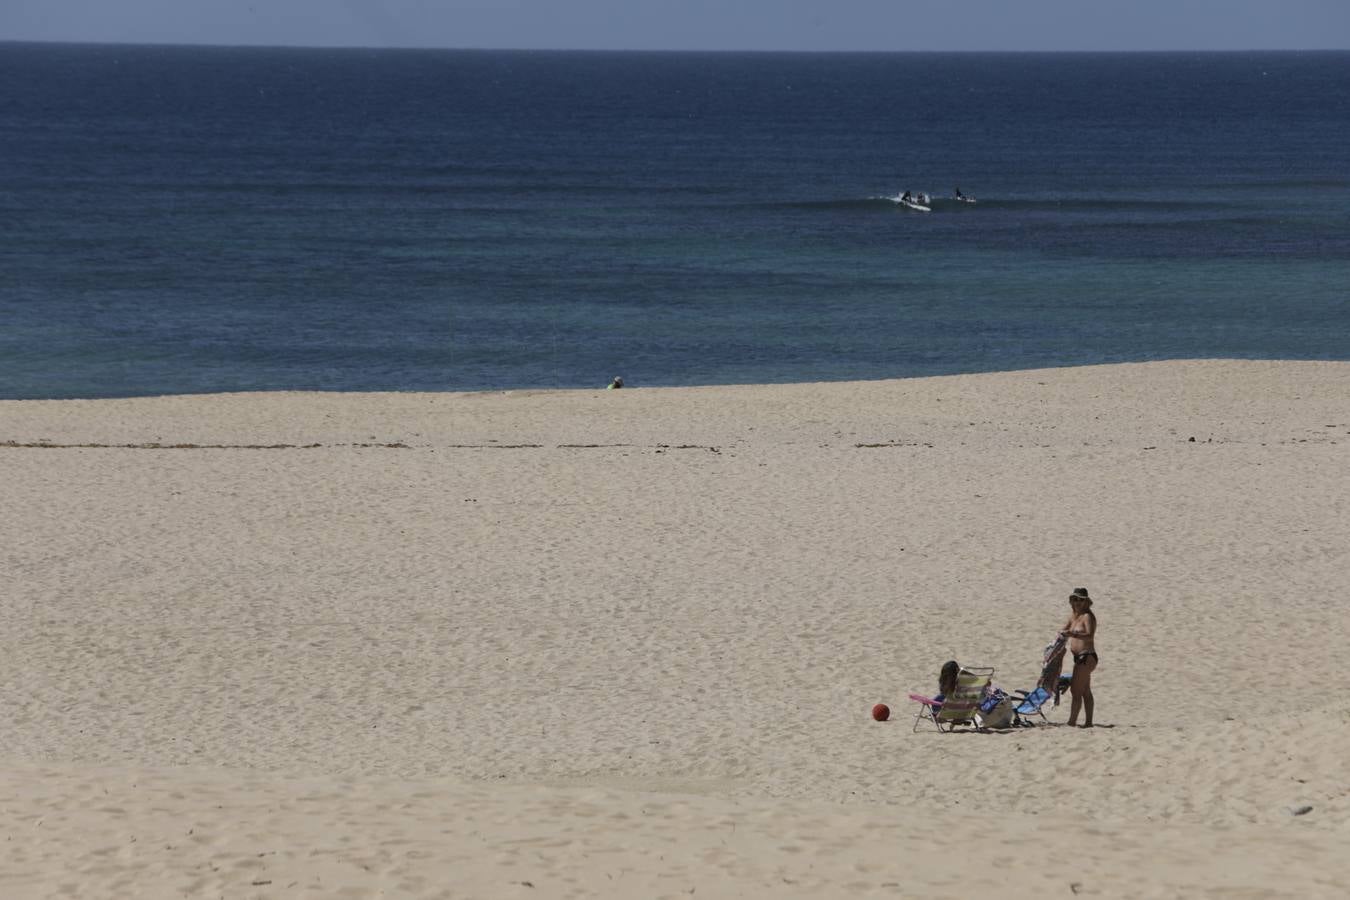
(881, 202)
(1089, 204)
(872, 203)
(1279, 183)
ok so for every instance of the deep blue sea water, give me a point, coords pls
(181, 219)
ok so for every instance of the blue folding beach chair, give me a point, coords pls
(1029, 704)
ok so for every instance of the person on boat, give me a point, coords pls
(959, 195)
(906, 198)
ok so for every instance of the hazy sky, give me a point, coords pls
(696, 24)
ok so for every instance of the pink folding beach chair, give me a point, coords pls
(962, 707)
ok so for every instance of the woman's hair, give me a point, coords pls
(947, 677)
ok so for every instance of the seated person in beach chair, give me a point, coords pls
(960, 691)
(929, 706)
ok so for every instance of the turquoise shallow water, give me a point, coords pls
(199, 219)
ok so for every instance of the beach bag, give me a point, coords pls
(996, 709)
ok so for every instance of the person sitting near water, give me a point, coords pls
(615, 384)
(946, 683)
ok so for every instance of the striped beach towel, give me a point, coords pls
(1052, 663)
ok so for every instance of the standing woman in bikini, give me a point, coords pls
(1081, 630)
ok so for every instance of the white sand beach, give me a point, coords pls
(625, 643)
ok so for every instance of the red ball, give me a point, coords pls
(881, 712)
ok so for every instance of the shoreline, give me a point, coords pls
(738, 385)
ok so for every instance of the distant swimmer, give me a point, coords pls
(615, 384)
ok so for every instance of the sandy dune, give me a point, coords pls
(440, 644)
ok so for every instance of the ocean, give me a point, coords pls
(196, 219)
